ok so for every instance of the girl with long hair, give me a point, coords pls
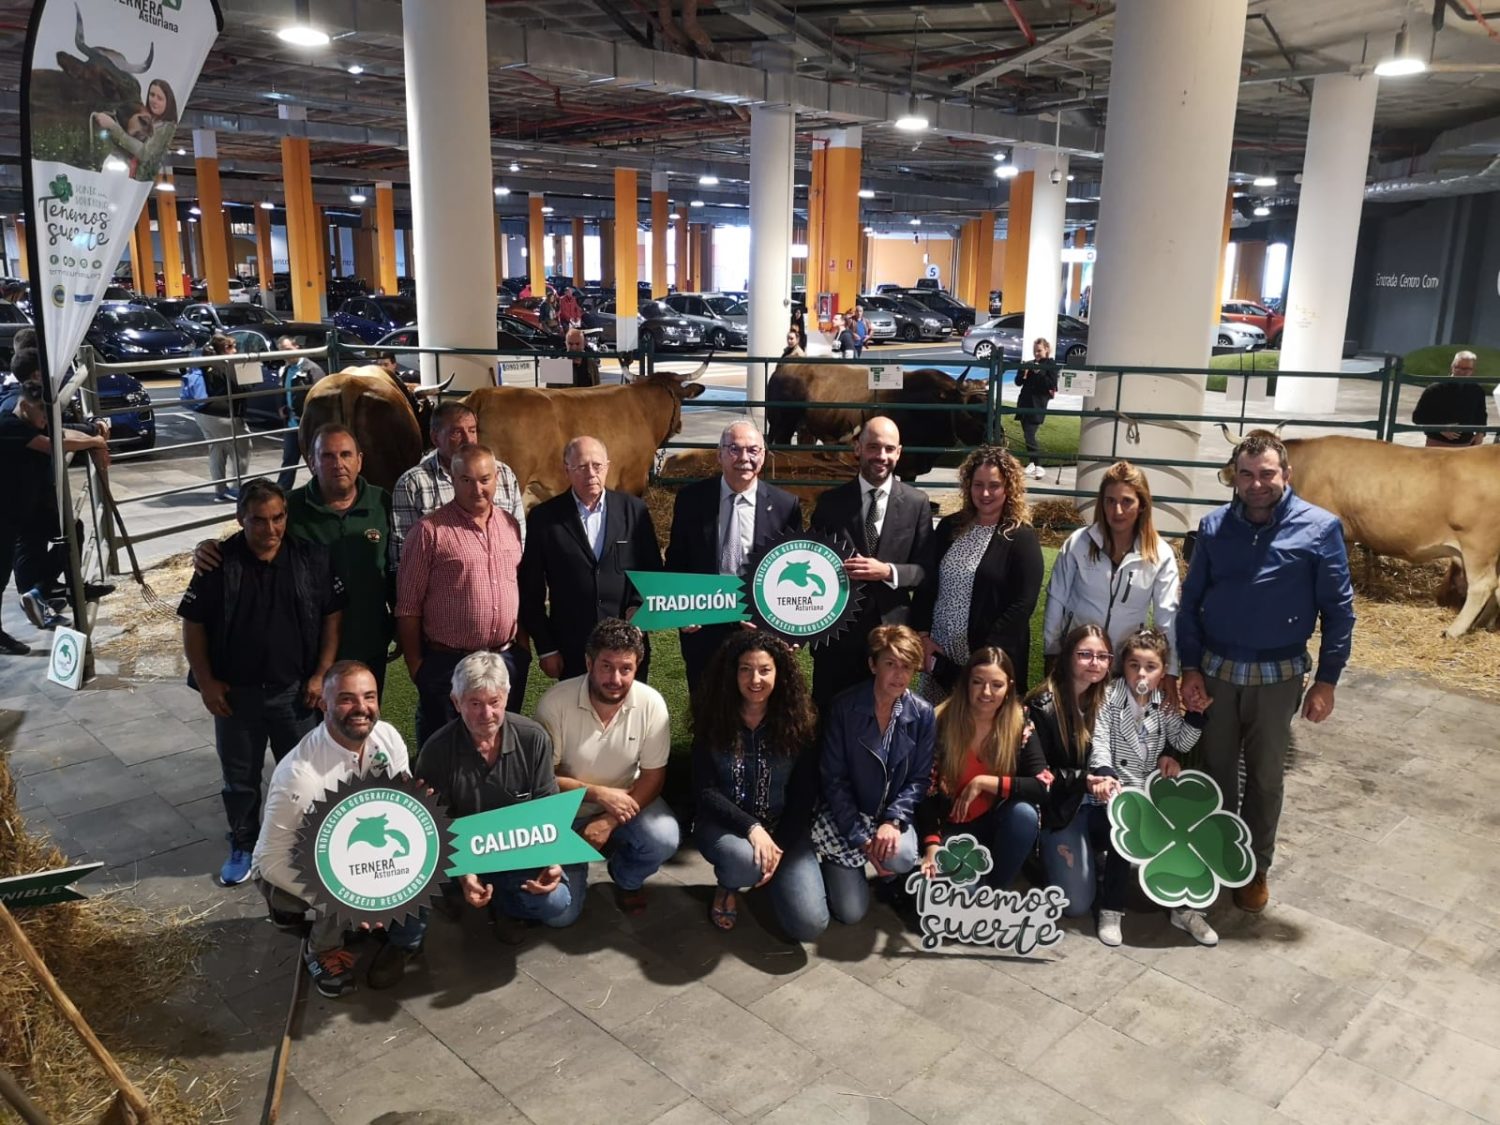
(988, 771)
(147, 149)
(755, 773)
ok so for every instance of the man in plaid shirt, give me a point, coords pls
(1267, 567)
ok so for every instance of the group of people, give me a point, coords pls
(917, 723)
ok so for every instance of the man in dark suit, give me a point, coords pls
(717, 524)
(578, 547)
(889, 524)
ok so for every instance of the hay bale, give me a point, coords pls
(116, 962)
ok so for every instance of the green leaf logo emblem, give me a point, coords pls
(963, 859)
(61, 189)
(1186, 845)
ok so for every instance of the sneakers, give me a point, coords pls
(1035, 471)
(389, 965)
(332, 970)
(39, 612)
(1195, 924)
(1253, 896)
(12, 647)
(631, 903)
(228, 496)
(1109, 927)
(236, 868)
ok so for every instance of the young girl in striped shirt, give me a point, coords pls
(1135, 733)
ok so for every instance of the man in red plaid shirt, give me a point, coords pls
(457, 588)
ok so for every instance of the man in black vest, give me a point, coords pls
(259, 632)
(578, 547)
(889, 524)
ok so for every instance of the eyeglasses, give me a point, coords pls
(590, 466)
(1083, 656)
(742, 450)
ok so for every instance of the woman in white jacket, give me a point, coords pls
(1115, 570)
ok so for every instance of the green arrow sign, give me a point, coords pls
(672, 601)
(532, 834)
(45, 888)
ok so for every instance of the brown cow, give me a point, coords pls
(1411, 503)
(527, 427)
(800, 386)
(785, 469)
(389, 420)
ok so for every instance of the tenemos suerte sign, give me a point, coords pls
(103, 86)
(954, 905)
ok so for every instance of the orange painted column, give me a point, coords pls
(499, 250)
(321, 256)
(536, 252)
(817, 202)
(625, 267)
(841, 227)
(335, 239)
(660, 232)
(1017, 243)
(364, 249)
(1224, 249)
(142, 255)
(962, 282)
(1075, 286)
(685, 279)
(578, 252)
(171, 238)
(210, 222)
(984, 256)
(264, 265)
(385, 238)
(1249, 271)
(606, 252)
(304, 247)
(23, 255)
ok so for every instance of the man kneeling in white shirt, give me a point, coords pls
(350, 742)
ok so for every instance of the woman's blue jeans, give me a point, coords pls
(798, 896)
(1069, 860)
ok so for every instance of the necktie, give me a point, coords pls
(872, 519)
(731, 551)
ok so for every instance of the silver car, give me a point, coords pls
(1240, 337)
(723, 321)
(882, 325)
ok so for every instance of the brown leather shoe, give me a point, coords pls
(1253, 896)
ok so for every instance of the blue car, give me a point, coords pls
(370, 318)
(134, 429)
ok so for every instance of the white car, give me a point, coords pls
(1240, 337)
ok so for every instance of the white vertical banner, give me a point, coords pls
(103, 85)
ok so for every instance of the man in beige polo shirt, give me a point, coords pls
(611, 737)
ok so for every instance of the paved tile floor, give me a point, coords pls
(1369, 991)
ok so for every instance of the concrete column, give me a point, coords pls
(192, 252)
(707, 280)
(502, 269)
(364, 248)
(625, 268)
(264, 263)
(817, 206)
(1018, 236)
(984, 257)
(335, 239)
(1322, 269)
(536, 252)
(23, 255)
(1044, 255)
(142, 256)
(385, 238)
(841, 228)
(1219, 297)
(962, 282)
(452, 182)
(577, 232)
(606, 253)
(773, 136)
(1166, 160)
(659, 235)
(1249, 271)
(1075, 273)
(304, 246)
(685, 280)
(171, 238)
(211, 227)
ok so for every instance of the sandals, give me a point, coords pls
(724, 911)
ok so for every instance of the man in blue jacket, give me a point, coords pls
(1266, 566)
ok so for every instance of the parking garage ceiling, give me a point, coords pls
(579, 89)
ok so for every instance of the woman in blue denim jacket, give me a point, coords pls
(755, 775)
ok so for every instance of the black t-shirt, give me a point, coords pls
(459, 775)
(1454, 402)
(267, 644)
(23, 471)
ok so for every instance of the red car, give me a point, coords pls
(1248, 312)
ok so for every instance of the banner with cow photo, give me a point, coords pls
(103, 85)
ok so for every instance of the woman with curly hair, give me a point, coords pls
(755, 773)
(983, 574)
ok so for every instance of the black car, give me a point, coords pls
(960, 314)
(12, 320)
(370, 318)
(127, 333)
(913, 321)
(231, 317)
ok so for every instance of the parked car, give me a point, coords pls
(239, 292)
(912, 321)
(529, 310)
(117, 293)
(507, 342)
(959, 313)
(881, 322)
(12, 320)
(1008, 332)
(226, 318)
(1248, 312)
(135, 428)
(996, 304)
(1239, 337)
(370, 318)
(660, 327)
(722, 321)
(126, 333)
(504, 298)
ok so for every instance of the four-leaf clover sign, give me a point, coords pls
(963, 859)
(1186, 845)
(61, 189)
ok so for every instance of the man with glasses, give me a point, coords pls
(579, 545)
(718, 523)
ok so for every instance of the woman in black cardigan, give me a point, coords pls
(983, 575)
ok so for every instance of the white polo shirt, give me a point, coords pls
(638, 737)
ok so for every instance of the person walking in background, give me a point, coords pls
(296, 376)
(1455, 401)
(1038, 383)
(861, 329)
(220, 422)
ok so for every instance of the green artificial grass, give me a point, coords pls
(1236, 363)
(1058, 437)
(399, 705)
(1437, 359)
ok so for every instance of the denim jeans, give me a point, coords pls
(229, 455)
(277, 718)
(1009, 830)
(434, 684)
(326, 932)
(798, 896)
(291, 456)
(635, 850)
(848, 898)
(556, 908)
(1070, 862)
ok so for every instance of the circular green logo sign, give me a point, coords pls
(800, 588)
(64, 657)
(376, 850)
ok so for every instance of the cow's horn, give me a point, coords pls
(145, 66)
(1229, 437)
(421, 392)
(695, 375)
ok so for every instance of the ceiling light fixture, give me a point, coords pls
(267, 205)
(355, 68)
(358, 197)
(1262, 211)
(1001, 157)
(915, 119)
(866, 193)
(195, 210)
(708, 179)
(695, 203)
(916, 222)
(301, 32)
(1264, 181)
(1007, 171)
(548, 209)
(166, 185)
(514, 167)
(1403, 63)
(502, 191)
(182, 152)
